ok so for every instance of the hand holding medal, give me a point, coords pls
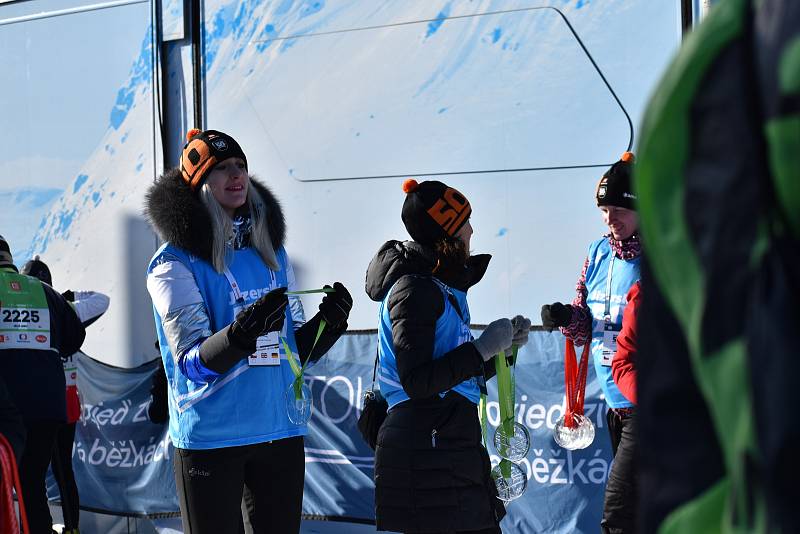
(299, 402)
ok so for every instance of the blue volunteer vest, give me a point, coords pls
(624, 273)
(451, 331)
(246, 405)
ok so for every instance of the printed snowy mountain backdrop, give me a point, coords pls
(335, 102)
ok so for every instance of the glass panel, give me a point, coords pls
(172, 24)
(318, 91)
(77, 116)
(471, 93)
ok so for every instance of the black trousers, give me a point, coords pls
(620, 502)
(211, 482)
(41, 436)
(65, 476)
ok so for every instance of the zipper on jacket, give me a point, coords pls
(433, 438)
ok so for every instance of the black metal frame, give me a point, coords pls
(687, 19)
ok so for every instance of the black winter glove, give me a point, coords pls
(69, 295)
(335, 307)
(236, 341)
(264, 315)
(556, 315)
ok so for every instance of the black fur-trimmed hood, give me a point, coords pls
(178, 216)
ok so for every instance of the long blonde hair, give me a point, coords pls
(222, 226)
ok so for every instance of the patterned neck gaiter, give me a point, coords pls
(626, 249)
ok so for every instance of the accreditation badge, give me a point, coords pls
(610, 333)
(267, 351)
(70, 371)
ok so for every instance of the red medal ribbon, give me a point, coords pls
(575, 381)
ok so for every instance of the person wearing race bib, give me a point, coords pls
(432, 472)
(89, 306)
(224, 322)
(595, 316)
(38, 328)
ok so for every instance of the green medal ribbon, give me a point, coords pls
(482, 417)
(310, 291)
(506, 386)
(297, 369)
(505, 393)
(505, 396)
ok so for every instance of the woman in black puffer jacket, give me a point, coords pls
(431, 468)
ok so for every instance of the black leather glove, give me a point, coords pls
(236, 341)
(335, 307)
(556, 315)
(69, 295)
(267, 314)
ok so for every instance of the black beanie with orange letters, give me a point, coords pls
(433, 211)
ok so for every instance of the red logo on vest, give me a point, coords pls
(41, 339)
(15, 286)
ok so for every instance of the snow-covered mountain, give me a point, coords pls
(319, 90)
(21, 211)
(94, 236)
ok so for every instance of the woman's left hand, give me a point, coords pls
(335, 307)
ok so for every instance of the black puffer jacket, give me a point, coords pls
(35, 378)
(431, 469)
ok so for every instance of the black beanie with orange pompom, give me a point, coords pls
(202, 151)
(433, 211)
(614, 188)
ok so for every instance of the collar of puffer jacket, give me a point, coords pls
(400, 258)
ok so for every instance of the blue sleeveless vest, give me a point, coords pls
(624, 273)
(451, 331)
(245, 405)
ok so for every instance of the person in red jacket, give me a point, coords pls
(623, 366)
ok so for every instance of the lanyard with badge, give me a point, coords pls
(610, 330)
(70, 371)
